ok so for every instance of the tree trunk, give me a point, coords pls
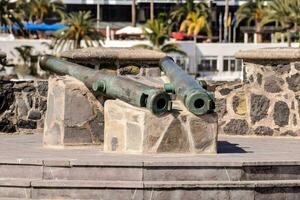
(151, 10)
(258, 34)
(133, 14)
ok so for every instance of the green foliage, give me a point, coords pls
(286, 12)
(10, 15)
(157, 33)
(181, 11)
(195, 23)
(80, 28)
(38, 10)
(29, 59)
(254, 11)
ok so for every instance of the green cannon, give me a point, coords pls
(196, 99)
(128, 90)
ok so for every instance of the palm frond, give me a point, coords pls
(172, 48)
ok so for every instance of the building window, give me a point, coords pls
(208, 64)
(232, 64)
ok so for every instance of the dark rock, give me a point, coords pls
(20, 86)
(34, 114)
(220, 109)
(259, 78)
(6, 85)
(29, 100)
(29, 89)
(297, 66)
(7, 126)
(235, 103)
(251, 79)
(42, 88)
(272, 84)
(238, 86)
(282, 68)
(298, 101)
(288, 133)
(43, 105)
(26, 124)
(295, 120)
(281, 113)
(236, 127)
(259, 107)
(225, 91)
(37, 103)
(6, 100)
(294, 82)
(22, 107)
(263, 130)
(293, 105)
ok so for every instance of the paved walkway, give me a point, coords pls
(232, 150)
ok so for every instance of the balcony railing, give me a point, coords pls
(128, 2)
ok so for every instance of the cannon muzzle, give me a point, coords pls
(196, 99)
(128, 90)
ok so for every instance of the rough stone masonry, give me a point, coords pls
(22, 106)
(268, 102)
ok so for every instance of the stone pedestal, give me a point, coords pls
(137, 130)
(74, 116)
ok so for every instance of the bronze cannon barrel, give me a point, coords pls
(196, 99)
(118, 87)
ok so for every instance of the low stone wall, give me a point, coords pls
(241, 107)
(22, 105)
(268, 102)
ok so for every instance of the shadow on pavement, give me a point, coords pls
(227, 147)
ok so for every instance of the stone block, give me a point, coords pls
(74, 116)
(137, 130)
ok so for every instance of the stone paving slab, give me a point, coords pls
(232, 151)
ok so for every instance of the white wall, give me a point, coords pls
(12, 54)
(195, 52)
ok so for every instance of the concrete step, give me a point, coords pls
(151, 170)
(144, 190)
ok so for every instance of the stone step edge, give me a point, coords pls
(26, 183)
(142, 164)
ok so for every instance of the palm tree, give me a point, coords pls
(10, 16)
(40, 9)
(157, 33)
(254, 11)
(181, 11)
(80, 27)
(28, 58)
(287, 13)
(194, 23)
